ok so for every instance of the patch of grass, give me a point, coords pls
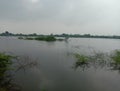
(81, 59)
(7, 65)
(99, 60)
(95, 60)
(46, 38)
(5, 61)
(115, 62)
(116, 57)
(42, 38)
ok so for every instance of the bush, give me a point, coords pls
(81, 59)
(116, 57)
(4, 63)
(46, 38)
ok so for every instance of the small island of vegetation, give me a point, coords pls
(46, 38)
(42, 38)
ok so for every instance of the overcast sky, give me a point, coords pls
(60, 16)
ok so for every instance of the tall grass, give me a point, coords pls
(5, 62)
(81, 59)
(8, 66)
(99, 60)
(116, 57)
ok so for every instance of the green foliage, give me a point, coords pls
(5, 61)
(5, 77)
(116, 57)
(46, 38)
(50, 38)
(41, 38)
(81, 59)
(99, 60)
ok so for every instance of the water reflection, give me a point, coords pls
(83, 66)
(115, 66)
(55, 73)
(25, 62)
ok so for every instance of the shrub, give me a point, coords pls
(116, 57)
(81, 59)
(46, 38)
(5, 61)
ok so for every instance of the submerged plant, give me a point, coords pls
(5, 61)
(96, 60)
(115, 63)
(46, 38)
(8, 68)
(116, 57)
(25, 62)
(81, 59)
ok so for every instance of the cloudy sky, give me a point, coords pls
(60, 16)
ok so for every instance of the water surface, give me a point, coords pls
(55, 70)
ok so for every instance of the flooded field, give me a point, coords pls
(57, 66)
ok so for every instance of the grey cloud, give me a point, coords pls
(70, 16)
(24, 10)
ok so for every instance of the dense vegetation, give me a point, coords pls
(116, 57)
(81, 59)
(41, 38)
(97, 60)
(7, 70)
(5, 62)
(46, 38)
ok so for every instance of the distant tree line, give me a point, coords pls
(87, 36)
(6, 33)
